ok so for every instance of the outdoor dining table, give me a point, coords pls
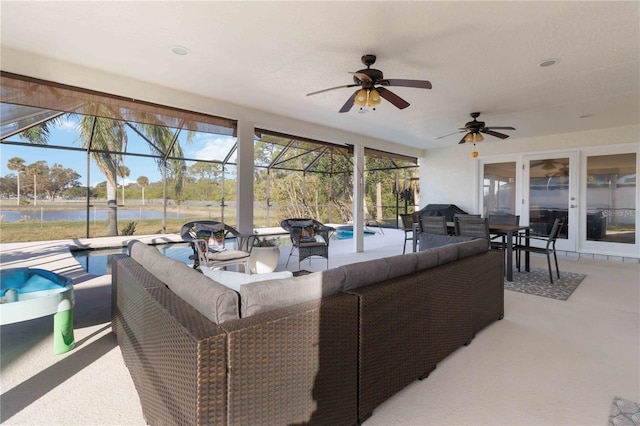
(509, 231)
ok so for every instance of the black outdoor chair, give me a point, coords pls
(550, 246)
(433, 225)
(407, 225)
(208, 241)
(472, 226)
(502, 219)
(309, 237)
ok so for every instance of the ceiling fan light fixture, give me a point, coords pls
(361, 98)
(478, 137)
(374, 98)
(469, 138)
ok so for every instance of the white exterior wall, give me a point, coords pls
(450, 175)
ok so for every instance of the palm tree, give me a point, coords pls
(36, 169)
(106, 139)
(143, 181)
(123, 172)
(17, 164)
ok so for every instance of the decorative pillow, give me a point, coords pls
(308, 234)
(234, 280)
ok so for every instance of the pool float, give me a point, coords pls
(28, 293)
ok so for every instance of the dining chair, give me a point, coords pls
(407, 225)
(549, 246)
(472, 227)
(502, 219)
(433, 225)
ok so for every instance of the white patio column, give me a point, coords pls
(358, 194)
(244, 215)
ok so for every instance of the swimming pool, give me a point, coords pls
(346, 232)
(98, 262)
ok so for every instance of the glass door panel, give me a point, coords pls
(499, 189)
(551, 190)
(611, 198)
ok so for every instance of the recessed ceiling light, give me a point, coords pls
(548, 62)
(180, 51)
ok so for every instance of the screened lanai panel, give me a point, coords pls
(26, 91)
(209, 147)
(17, 117)
(287, 152)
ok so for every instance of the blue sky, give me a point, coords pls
(204, 145)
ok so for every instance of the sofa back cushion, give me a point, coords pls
(265, 296)
(235, 280)
(426, 259)
(377, 270)
(469, 248)
(443, 254)
(213, 300)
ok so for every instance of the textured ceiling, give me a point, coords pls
(479, 56)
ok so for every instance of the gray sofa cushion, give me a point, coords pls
(364, 273)
(447, 254)
(265, 296)
(428, 241)
(469, 248)
(401, 265)
(426, 259)
(377, 270)
(213, 300)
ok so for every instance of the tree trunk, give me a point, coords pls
(112, 213)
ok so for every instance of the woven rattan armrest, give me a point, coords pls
(295, 365)
(176, 356)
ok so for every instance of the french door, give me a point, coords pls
(539, 188)
(597, 198)
(549, 192)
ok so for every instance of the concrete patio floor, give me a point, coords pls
(548, 362)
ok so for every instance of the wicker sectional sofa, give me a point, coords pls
(325, 348)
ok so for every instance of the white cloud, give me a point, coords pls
(213, 149)
(67, 125)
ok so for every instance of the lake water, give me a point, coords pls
(81, 215)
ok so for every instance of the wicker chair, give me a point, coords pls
(198, 233)
(308, 237)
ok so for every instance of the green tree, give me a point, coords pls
(8, 185)
(107, 139)
(17, 164)
(38, 170)
(123, 172)
(142, 182)
(56, 179)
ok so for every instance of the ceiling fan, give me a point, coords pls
(475, 127)
(371, 82)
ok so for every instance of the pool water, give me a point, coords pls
(98, 262)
